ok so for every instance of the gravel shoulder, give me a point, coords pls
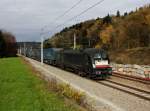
(131, 83)
(103, 98)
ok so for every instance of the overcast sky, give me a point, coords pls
(25, 18)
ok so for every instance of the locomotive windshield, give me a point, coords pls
(100, 59)
(101, 56)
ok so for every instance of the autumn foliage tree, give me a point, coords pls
(2, 44)
(106, 35)
(118, 32)
(7, 44)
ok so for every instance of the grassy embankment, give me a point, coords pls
(21, 90)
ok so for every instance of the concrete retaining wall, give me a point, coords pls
(134, 70)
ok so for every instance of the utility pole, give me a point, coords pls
(74, 41)
(24, 49)
(20, 52)
(89, 43)
(42, 50)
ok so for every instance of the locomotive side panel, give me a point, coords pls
(74, 60)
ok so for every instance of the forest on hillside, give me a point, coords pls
(8, 46)
(113, 31)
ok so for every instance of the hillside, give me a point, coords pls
(119, 34)
(140, 56)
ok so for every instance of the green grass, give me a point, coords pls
(20, 90)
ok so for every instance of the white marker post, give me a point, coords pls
(41, 50)
(24, 49)
(74, 41)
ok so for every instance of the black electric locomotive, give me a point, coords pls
(93, 63)
(50, 55)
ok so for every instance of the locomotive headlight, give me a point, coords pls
(109, 71)
(98, 72)
(94, 66)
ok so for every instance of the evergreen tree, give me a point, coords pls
(131, 12)
(107, 19)
(125, 14)
(118, 14)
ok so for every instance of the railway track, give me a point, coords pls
(127, 89)
(132, 78)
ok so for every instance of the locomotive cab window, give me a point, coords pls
(100, 59)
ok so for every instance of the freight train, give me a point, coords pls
(91, 62)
